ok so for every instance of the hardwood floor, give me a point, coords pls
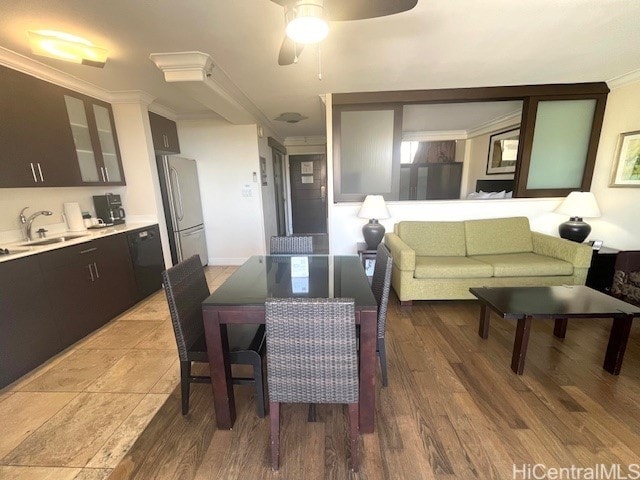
(453, 409)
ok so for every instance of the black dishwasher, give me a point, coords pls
(147, 258)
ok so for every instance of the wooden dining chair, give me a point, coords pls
(297, 244)
(311, 358)
(186, 287)
(381, 286)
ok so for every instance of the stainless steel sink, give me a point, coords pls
(50, 241)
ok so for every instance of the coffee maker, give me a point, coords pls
(109, 208)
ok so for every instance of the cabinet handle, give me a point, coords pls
(40, 171)
(90, 271)
(88, 250)
(102, 172)
(33, 171)
(166, 140)
(106, 172)
(95, 267)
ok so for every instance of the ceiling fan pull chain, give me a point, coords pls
(319, 63)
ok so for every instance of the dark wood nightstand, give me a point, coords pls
(367, 257)
(600, 276)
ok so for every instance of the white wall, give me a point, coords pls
(618, 227)
(227, 155)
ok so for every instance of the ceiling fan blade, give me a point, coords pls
(339, 10)
(288, 51)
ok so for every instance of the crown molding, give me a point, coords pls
(163, 111)
(625, 79)
(27, 65)
(302, 141)
(491, 126)
(132, 96)
(434, 136)
(210, 85)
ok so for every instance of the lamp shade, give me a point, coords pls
(579, 204)
(374, 207)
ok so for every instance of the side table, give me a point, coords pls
(367, 257)
(600, 276)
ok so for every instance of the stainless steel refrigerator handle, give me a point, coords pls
(193, 233)
(174, 174)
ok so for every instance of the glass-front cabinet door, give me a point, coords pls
(82, 139)
(107, 144)
(95, 140)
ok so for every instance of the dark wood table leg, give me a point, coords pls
(485, 313)
(560, 327)
(520, 344)
(617, 343)
(220, 367)
(368, 340)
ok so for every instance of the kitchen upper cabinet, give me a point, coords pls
(164, 133)
(36, 145)
(94, 137)
(53, 137)
(29, 334)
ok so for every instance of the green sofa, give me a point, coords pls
(442, 260)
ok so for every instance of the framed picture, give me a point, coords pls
(626, 169)
(503, 152)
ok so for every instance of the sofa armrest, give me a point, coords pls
(577, 254)
(403, 255)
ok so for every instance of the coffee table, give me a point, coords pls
(525, 304)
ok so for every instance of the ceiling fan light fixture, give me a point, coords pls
(306, 23)
(64, 46)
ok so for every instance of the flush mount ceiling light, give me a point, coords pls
(65, 46)
(306, 22)
(290, 117)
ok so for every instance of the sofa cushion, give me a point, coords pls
(441, 239)
(498, 235)
(451, 267)
(525, 265)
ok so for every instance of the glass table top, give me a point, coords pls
(267, 276)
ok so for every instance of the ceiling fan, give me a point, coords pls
(306, 20)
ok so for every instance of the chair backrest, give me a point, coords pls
(292, 245)
(626, 278)
(186, 287)
(311, 350)
(381, 285)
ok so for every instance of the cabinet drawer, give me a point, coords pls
(71, 255)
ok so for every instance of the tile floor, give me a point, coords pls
(76, 416)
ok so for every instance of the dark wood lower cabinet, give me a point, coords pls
(51, 300)
(29, 334)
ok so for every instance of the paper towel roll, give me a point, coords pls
(73, 217)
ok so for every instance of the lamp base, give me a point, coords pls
(574, 229)
(373, 233)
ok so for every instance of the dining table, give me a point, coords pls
(241, 300)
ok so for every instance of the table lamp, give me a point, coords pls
(577, 205)
(373, 208)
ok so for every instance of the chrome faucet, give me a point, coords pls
(27, 221)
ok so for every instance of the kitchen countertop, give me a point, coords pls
(24, 249)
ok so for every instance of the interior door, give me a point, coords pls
(278, 185)
(308, 193)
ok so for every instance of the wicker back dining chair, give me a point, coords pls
(291, 245)
(311, 358)
(626, 277)
(381, 286)
(186, 287)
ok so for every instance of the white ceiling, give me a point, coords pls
(439, 44)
